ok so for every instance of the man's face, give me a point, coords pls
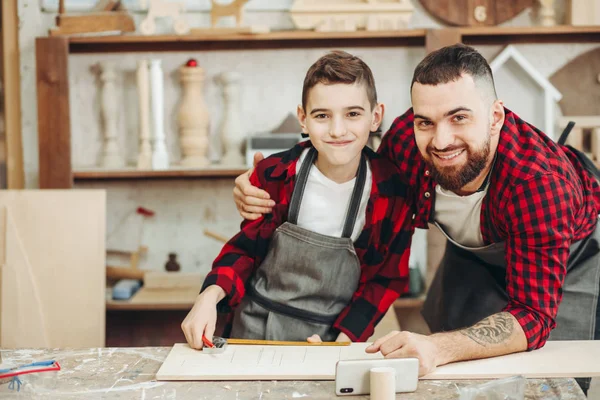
(452, 130)
(338, 120)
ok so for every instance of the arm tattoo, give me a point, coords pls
(494, 329)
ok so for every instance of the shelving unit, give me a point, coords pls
(52, 54)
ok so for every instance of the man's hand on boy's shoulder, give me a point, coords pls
(251, 201)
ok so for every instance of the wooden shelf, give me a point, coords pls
(277, 39)
(533, 34)
(410, 302)
(95, 174)
(155, 299)
(311, 39)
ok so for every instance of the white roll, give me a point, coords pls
(383, 383)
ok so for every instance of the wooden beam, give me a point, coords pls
(54, 122)
(12, 95)
(438, 38)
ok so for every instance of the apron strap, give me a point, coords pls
(359, 186)
(300, 186)
(294, 210)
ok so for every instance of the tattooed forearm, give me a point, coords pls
(494, 329)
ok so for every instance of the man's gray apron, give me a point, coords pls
(306, 279)
(470, 284)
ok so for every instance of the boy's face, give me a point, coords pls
(338, 119)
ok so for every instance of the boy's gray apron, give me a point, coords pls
(306, 279)
(470, 284)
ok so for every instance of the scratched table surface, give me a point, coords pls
(129, 373)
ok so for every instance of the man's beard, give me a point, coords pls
(455, 177)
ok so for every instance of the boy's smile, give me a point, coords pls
(338, 120)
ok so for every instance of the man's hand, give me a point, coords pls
(408, 345)
(202, 318)
(250, 201)
(493, 336)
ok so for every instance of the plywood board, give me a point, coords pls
(12, 94)
(243, 362)
(53, 271)
(173, 296)
(556, 359)
(172, 280)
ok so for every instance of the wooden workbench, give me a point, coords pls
(128, 373)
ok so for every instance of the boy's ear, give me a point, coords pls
(378, 112)
(302, 118)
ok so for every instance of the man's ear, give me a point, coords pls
(497, 117)
(378, 112)
(302, 118)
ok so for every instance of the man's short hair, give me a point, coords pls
(449, 63)
(339, 67)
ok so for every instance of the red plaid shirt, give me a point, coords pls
(540, 200)
(382, 247)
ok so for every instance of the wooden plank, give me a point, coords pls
(557, 359)
(12, 94)
(438, 38)
(54, 123)
(173, 280)
(409, 302)
(53, 286)
(131, 173)
(310, 39)
(534, 34)
(118, 21)
(276, 35)
(158, 299)
(272, 40)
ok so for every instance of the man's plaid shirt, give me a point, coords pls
(383, 246)
(540, 200)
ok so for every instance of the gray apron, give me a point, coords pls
(470, 284)
(306, 278)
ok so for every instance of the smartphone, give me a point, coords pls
(352, 377)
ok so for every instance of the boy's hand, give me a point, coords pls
(250, 201)
(202, 318)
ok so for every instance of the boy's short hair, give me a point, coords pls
(339, 67)
(449, 63)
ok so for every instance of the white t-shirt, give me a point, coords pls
(325, 203)
(460, 216)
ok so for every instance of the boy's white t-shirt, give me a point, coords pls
(325, 203)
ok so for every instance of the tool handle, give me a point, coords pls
(283, 343)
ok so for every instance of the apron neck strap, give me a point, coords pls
(300, 186)
(359, 187)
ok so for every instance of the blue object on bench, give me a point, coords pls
(125, 289)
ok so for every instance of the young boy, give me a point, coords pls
(333, 255)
